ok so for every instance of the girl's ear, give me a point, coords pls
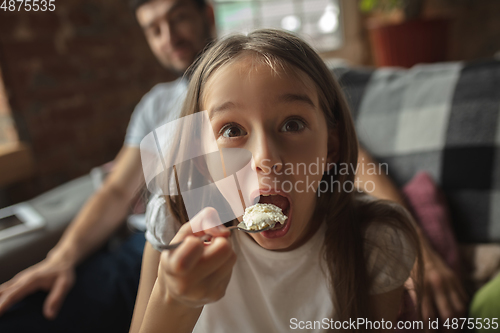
(333, 148)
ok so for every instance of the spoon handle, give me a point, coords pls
(204, 238)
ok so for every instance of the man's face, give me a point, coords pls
(176, 30)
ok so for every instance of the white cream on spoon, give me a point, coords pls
(263, 216)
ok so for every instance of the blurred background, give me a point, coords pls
(69, 79)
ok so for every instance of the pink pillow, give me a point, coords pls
(429, 207)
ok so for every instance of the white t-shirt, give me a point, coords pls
(273, 291)
(160, 105)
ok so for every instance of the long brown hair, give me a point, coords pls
(346, 216)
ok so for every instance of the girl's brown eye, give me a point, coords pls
(293, 125)
(232, 131)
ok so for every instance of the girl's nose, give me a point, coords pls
(266, 154)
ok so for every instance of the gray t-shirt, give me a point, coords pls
(161, 227)
(160, 105)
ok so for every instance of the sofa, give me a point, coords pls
(442, 119)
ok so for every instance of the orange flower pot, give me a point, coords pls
(409, 43)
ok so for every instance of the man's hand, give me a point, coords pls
(444, 295)
(103, 213)
(51, 275)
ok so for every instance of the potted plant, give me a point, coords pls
(400, 36)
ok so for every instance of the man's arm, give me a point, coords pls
(384, 187)
(444, 295)
(104, 211)
(101, 215)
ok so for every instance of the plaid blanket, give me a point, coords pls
(443, 119)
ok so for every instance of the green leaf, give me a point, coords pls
(367, 5)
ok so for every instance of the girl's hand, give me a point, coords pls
(195, 273)
(443, 295)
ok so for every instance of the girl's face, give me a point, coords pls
(277, 117)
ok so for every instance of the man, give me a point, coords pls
(176, 30)
(101, 296)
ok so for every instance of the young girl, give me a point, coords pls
(340, 259)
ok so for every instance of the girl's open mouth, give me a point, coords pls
(282, 202)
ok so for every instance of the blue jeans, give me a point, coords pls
(102, 299)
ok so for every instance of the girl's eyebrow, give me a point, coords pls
(290, 98)
(285, 98)
(221, 108)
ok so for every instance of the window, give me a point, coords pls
(316, 21)
(16, 160)
(8, 133)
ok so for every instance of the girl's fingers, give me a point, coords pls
(192, 252)
(215, 256)
(206, 288)
(184, 231)
(211, 258)
(219, 231)
(181, 261)
(458, 297)
(427, 307)
(410, 287)
(443, 305)
(461, 291)
(216, 284)
(207, 221)
(195, 269)
(194, 272)
(457, 304)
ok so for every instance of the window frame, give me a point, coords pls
(16, 157)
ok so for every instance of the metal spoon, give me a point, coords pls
(241, 226)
